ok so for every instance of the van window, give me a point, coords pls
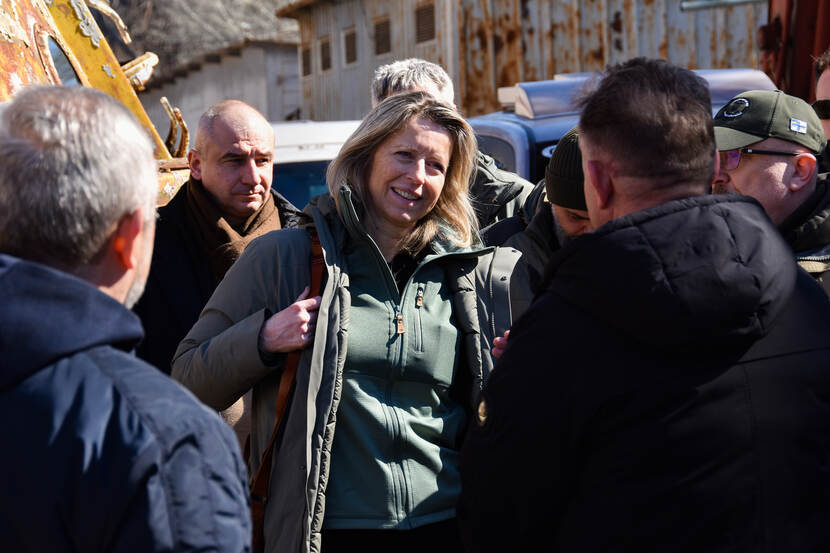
(300, 181)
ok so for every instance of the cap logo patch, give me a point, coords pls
(798, 125)
(736, 108)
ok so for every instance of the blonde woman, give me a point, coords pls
(396, 347)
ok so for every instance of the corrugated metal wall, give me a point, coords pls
(485, 44)
(502, 42)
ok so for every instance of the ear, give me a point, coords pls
(194, 160)
(715, 167)
(599, 178)
(721, 181)
(804, 173)
(126, 240)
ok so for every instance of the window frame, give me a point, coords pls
(417, 22)
(380, 21)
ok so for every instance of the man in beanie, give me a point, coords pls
(769, 145)
(560, 216)
(669, 390)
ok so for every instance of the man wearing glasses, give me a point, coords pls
(769, 145)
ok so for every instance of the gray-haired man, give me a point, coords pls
(104, 453)
(496, 194)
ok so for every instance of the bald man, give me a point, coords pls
(227, 202)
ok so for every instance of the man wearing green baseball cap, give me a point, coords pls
(769, 145)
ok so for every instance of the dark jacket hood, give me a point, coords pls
(48, 314)
(690, 273)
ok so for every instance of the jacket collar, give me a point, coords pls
(808, 227)
(350, 216)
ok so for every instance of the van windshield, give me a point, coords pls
(300, 181)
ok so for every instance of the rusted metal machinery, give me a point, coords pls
(797, 32)
(58, 42)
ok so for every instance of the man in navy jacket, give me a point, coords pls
(101, 451)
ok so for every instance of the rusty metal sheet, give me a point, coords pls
(706, 43)
(651, 28)
(26, 29)
(479, 94)
(507, 48)
(741, 38)
(532, 57)
(593, 35)
(680, 29)
(21, 21)
(564, 33)
(622, 33)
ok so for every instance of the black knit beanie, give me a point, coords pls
(563, 176)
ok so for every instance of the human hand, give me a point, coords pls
(293, 327)
(499, 344)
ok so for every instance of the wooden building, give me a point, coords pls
(262, 73)
(210, 50)
(486, 44)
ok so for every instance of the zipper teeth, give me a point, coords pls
(815, 258)
(419, 328)
(492, 299)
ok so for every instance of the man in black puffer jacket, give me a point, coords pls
(671, 389)
(101, 451)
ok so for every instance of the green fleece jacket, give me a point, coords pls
(219, 359)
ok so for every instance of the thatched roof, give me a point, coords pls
(184, 32)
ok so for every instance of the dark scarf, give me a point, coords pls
(222, 238)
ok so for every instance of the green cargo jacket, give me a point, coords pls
(219, 359)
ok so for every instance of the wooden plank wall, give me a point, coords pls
(342, 92)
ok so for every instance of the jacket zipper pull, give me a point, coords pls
(401, 329)
(419, 299)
